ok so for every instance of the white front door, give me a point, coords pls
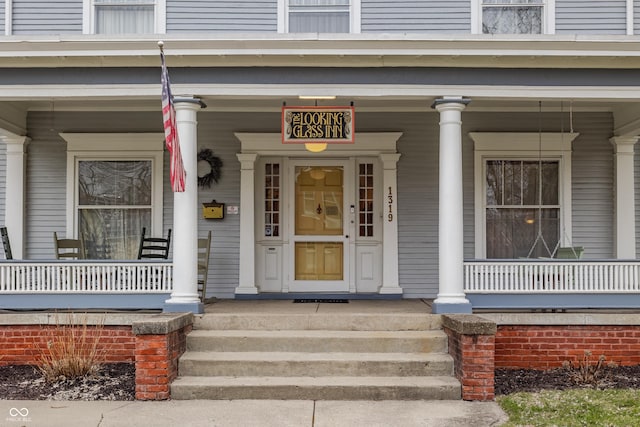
(318, 231)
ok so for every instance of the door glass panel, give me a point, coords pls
(319, 212)
(319, 201)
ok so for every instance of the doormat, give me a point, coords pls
(330, 301)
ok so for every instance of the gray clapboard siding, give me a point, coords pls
(2, 16)
(417, 182)
(636, 17)
(424, 16)
(591, 17)
(227, 15)
(44, 17)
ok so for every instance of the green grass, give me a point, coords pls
(579, 407)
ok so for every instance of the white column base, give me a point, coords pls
(390, 290)
(246, 290)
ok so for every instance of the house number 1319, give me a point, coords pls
(390, 204)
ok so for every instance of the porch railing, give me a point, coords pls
(551, 276)
(25, 277)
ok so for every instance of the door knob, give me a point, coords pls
(319, 210)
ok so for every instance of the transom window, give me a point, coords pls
(124, 16)
(522, 208)
(319, 16)
(512, 16)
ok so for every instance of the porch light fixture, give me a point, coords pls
(315, 147)
(529, 220)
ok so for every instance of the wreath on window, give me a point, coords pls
(215, 165)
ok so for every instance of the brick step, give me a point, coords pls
(319, 321)
(318, 341)
(314, 364)
(317, 388)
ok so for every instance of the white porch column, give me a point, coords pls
(390, 281)
(15, 192)
(247, 274)
(625, 209)
(185, 297)
(451, 297)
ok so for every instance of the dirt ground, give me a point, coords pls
(117, 382)
(509, 381)
(113, 381)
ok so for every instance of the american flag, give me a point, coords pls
(177, 173)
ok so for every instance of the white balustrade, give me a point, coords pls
(85, 277)
(551, 276)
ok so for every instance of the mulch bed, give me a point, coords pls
(509, 381)
(113, 381)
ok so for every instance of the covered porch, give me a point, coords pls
(438, 223)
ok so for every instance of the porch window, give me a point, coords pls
(114, 203)
(512, 16)
(365, 200)
(319, 16)
(522, 186)
(124, 16)
(114, 188)
(522, 208)
(272, 200)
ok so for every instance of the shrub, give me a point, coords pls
(72, 349)
(586, 370)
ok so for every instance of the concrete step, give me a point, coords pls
(319, 321)
(318, 341)
(317, 388)
(292, 364)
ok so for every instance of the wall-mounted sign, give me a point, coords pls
(333, 125)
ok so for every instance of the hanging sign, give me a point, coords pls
(333, 125)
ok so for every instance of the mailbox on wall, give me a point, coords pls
(213, 210)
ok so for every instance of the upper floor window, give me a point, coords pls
(513, 16)
(319, 16)
(124, 16)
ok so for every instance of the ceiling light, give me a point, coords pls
(315, 147)
(316, 97)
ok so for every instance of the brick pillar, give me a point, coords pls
(159, 345)
(472, 346)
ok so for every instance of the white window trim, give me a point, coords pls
(89, 22)
(355, 16)
(549, 16)
(521, 145)
(121, 146)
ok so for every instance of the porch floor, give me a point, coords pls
(290, 307)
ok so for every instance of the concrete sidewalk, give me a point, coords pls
(248, 413)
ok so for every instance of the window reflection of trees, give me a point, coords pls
(512, 16)
(125, 188)
(520, 199)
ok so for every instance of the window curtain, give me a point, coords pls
(114, 204)
(319, 16)
(120, 17)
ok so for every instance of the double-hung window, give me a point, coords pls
(124, 16)
(522, 208)
(319, 16)
(522, 193)
(114, 189)
(513, 16)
